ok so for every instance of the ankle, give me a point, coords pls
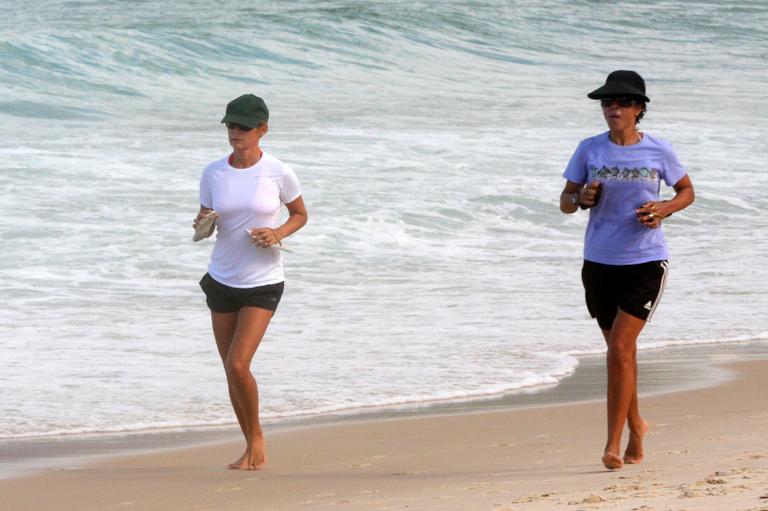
(637, 427)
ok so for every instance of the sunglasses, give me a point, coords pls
(622, 102)
(234, 125)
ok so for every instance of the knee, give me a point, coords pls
(622, 351)
(236, 368)
(620, 360)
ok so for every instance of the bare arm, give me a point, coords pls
(575, 195)
(569, 197)
(652, 213)
(297, 218)
(200, 214)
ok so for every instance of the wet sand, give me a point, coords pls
(705, 450)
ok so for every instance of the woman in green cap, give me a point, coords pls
(243, 193)
(617, 175)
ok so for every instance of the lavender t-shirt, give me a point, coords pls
(630, 175)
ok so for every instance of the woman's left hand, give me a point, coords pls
(264, 237)
(651, 214)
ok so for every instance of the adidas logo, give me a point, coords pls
(648, 306)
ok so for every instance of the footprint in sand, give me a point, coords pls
(227, 490)
(533, 498)
(592, 499)
(323, 495)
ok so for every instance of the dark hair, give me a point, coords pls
(642, 112)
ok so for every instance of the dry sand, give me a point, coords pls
(707, 449)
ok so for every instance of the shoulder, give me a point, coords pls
(216, 165)
(657, 142)
(274, 166)
(594, 142)
(659, 146)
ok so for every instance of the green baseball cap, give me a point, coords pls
(248, 110)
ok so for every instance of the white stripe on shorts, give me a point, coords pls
(665, 268)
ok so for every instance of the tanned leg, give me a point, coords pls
(252, 323)
(638, 427)
(622, 386)
(224, 325)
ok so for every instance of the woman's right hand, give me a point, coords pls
(589, 195)
(200, 215)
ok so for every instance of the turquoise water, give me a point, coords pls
(430, 138)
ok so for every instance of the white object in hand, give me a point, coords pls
(204, 227)
(279, 247)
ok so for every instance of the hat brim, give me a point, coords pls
(617, 89)
(251, 122)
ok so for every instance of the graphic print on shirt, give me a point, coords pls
(624, 174)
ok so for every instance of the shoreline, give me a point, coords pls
(705, 451)
(663, 371)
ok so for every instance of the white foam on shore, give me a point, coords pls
(435, 265)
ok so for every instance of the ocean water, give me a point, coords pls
(430, 138)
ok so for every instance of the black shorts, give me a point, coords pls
(636, 289)
(221, 298)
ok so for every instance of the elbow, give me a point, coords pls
(688, 196)
(300, 219)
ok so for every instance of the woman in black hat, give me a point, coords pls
(617, 175)
(244, 191)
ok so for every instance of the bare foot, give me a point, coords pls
(258, 454)
(241, 463)
(254, 457)
(612, 461)
(634, 452)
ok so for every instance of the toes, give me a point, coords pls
(612, 462)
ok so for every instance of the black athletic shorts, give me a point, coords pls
(636, 289)
(221, 298)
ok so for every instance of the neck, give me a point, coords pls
(244, 158)
(628, 136)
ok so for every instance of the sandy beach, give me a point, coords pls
(706, 450)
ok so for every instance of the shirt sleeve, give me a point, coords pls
(206, 199)
(576, 170)
(673, 169)
(291, 188)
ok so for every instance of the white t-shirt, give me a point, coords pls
(246, 199)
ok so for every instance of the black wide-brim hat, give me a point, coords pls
(621, 84)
